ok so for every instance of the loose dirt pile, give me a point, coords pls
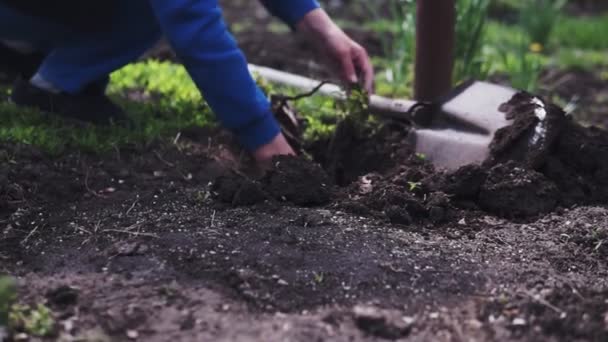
(564, 167)
(290, 180)
(379, 175)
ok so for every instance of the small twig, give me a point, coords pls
(97, 225)
(132, 233)
(169, 164)
(117, 152)
(176, 139)
(86, 185)
(213, 219)
(82, 230)
(545, 303)
(24, 241)
(133, 226)
(283, 98)
(131, 208)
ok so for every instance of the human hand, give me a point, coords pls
(349, 57)
(278, 146)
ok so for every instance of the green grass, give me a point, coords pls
(172, 103)
(584, 33)
(8, 295)
(471, 22)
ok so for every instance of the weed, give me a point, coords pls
(470, 32)
(539, 17)
(523, 68)
(36, 321)
(413, 186)
(398, 43)
(587, 33)
(318, 277)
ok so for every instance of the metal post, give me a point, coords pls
(435, 44)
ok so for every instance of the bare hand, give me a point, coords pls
(278, 146)
(351, 58)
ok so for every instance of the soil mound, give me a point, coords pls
(298, 181)
(579, 165)
(237, 190)
(541, 162)
(291, 179)
(513, 191)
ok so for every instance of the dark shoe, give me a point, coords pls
(88, 106)
(15, 64)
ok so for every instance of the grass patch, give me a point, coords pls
(172, 103)
(167, 102)
(8, 295)
(583, 33)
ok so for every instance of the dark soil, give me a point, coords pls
(143, 244)
(511, 190)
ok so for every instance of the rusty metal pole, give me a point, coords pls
(435, 44)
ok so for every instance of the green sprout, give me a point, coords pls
(414, 186)
(318, 277)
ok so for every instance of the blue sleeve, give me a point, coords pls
(200, 38)
(290, 11)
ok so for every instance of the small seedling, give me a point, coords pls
(318, 277)
(421, 156)
(200, 197)
(414, 186)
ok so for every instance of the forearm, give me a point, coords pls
(200, 38)
(290, 11)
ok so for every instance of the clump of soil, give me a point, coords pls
(237, 190)
(513, 191)
(464, 183)
(290, 179)
(355, 151)
(579, 166)
(537, 124)
(298, 181)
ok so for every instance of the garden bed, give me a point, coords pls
(174, 243)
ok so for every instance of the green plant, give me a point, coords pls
(523, 68)
(413, 186)
(588, 33)
(318, 277)
(470, 31)
(8, 295)
(397, 33)
(36, 321)
(158, 96)
(539, 18)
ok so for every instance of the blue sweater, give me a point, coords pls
(201, 40)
